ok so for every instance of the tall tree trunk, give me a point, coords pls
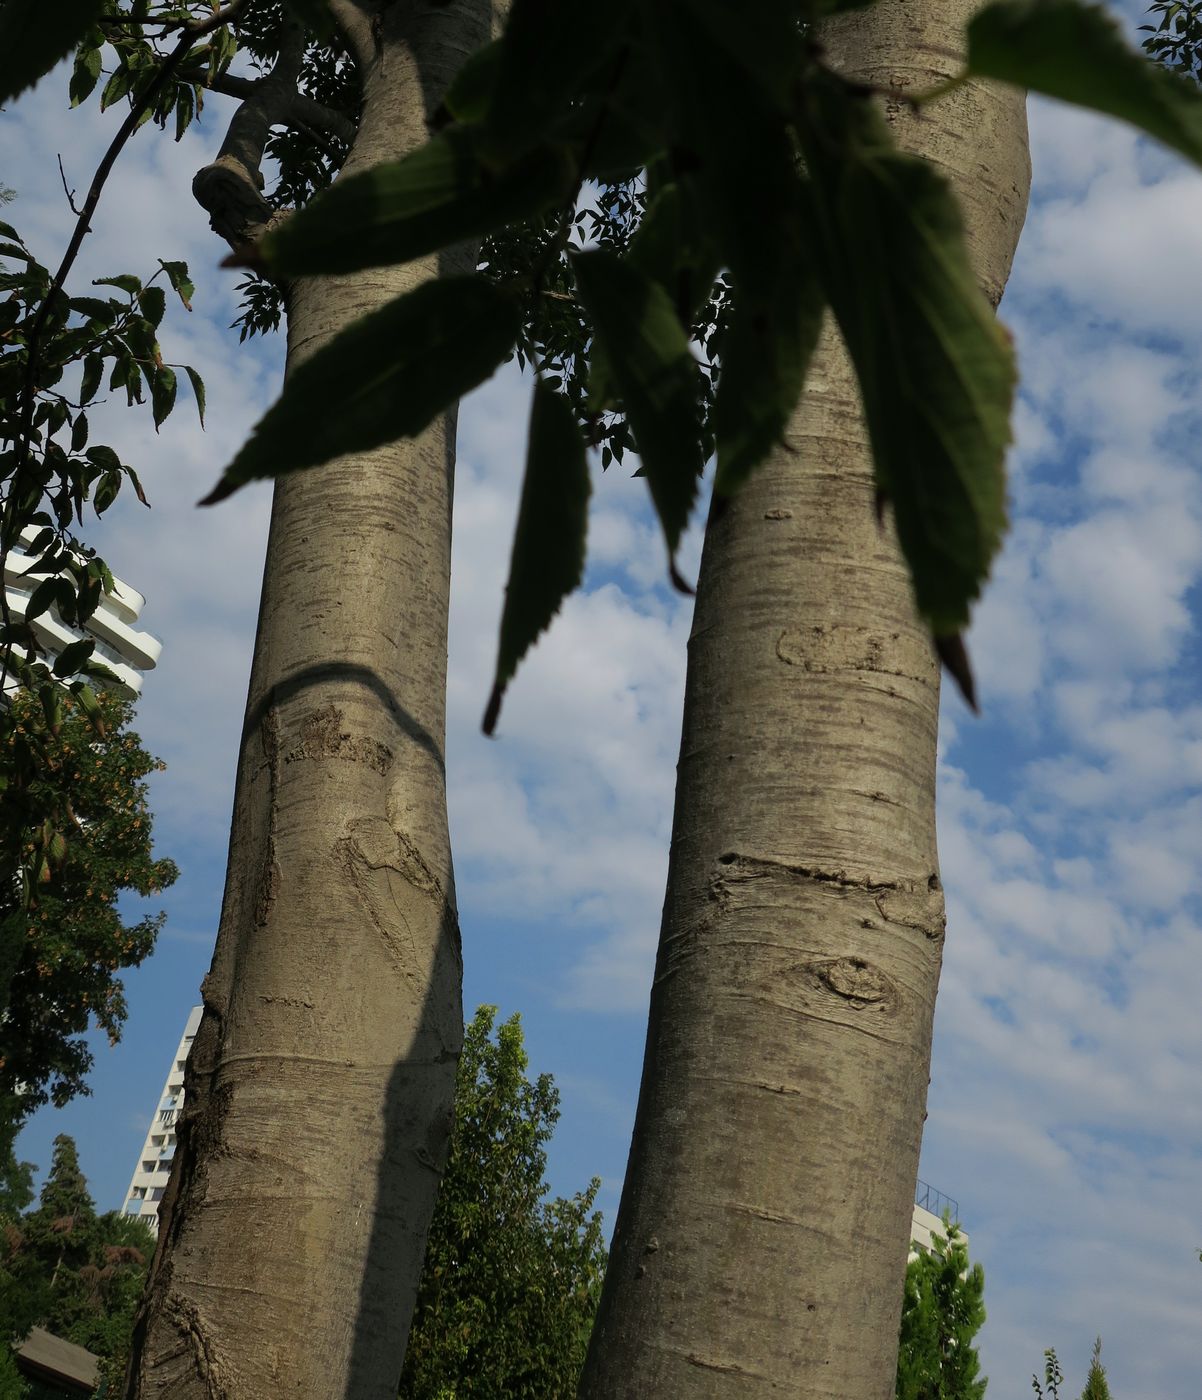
(762, 1236)
(320, 1087)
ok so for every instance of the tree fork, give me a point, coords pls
(761, 1241)
(320, 1087)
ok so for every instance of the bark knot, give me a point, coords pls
(857, 982)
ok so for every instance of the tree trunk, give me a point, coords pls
(320, 1087)
(762, 1236)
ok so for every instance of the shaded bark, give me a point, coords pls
(762, 1236)
(320, 1086)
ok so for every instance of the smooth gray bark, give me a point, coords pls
(320, 1088)
(761, 1241)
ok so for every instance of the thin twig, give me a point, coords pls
(62, 175)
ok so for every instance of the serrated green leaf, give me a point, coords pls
(162, 394)
(71, 659)
(548, 544)
(177, 275)
(84, 75)
(1077, 53)
(93, 370)
(125, 280)
(185, 110)
(153, 301)
(657, 376)
(79, 432)
(35, 35)
(388, 375)
(438, 195)
(936, 370)
(96, 309)
(198, 390)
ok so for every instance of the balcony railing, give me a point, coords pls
(936, 1202)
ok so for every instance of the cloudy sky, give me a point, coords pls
(1065, 1115)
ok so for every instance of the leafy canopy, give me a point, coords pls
(60, 952)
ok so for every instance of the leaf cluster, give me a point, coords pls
(1175, 40)
(671, 200)
(61, 951)
(511, 1281)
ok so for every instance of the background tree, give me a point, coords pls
(1053, 1377)
(511, 1280)
(65, 946)
(71, 1271)
(1096, 1387)
(942, 1311)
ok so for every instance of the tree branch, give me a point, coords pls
(301, 110)
(231, 188)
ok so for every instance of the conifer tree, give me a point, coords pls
(942, 1313)
(1096, 1387)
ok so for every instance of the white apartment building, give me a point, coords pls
(119, 644)
(158, 1151)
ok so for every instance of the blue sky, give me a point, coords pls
(1064, 1111)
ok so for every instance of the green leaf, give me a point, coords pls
(104, 458)
(95, 309)
(84, 75)
(936, 370)
(438, 195)
(549, 53)
(125, 280)
(52, 591)
(105, 491)
(548, 544)
(778, 304)
(93, 370)
(162, 394)
(71, 659)
(35, 35)
(177, 275)
(1077, 53)
(198, 389)
(471, 90)
(185, 110)
(85, 698)
(388, 375)
(153, 301)
(117, 87)
(79, 432)
(659, 381)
